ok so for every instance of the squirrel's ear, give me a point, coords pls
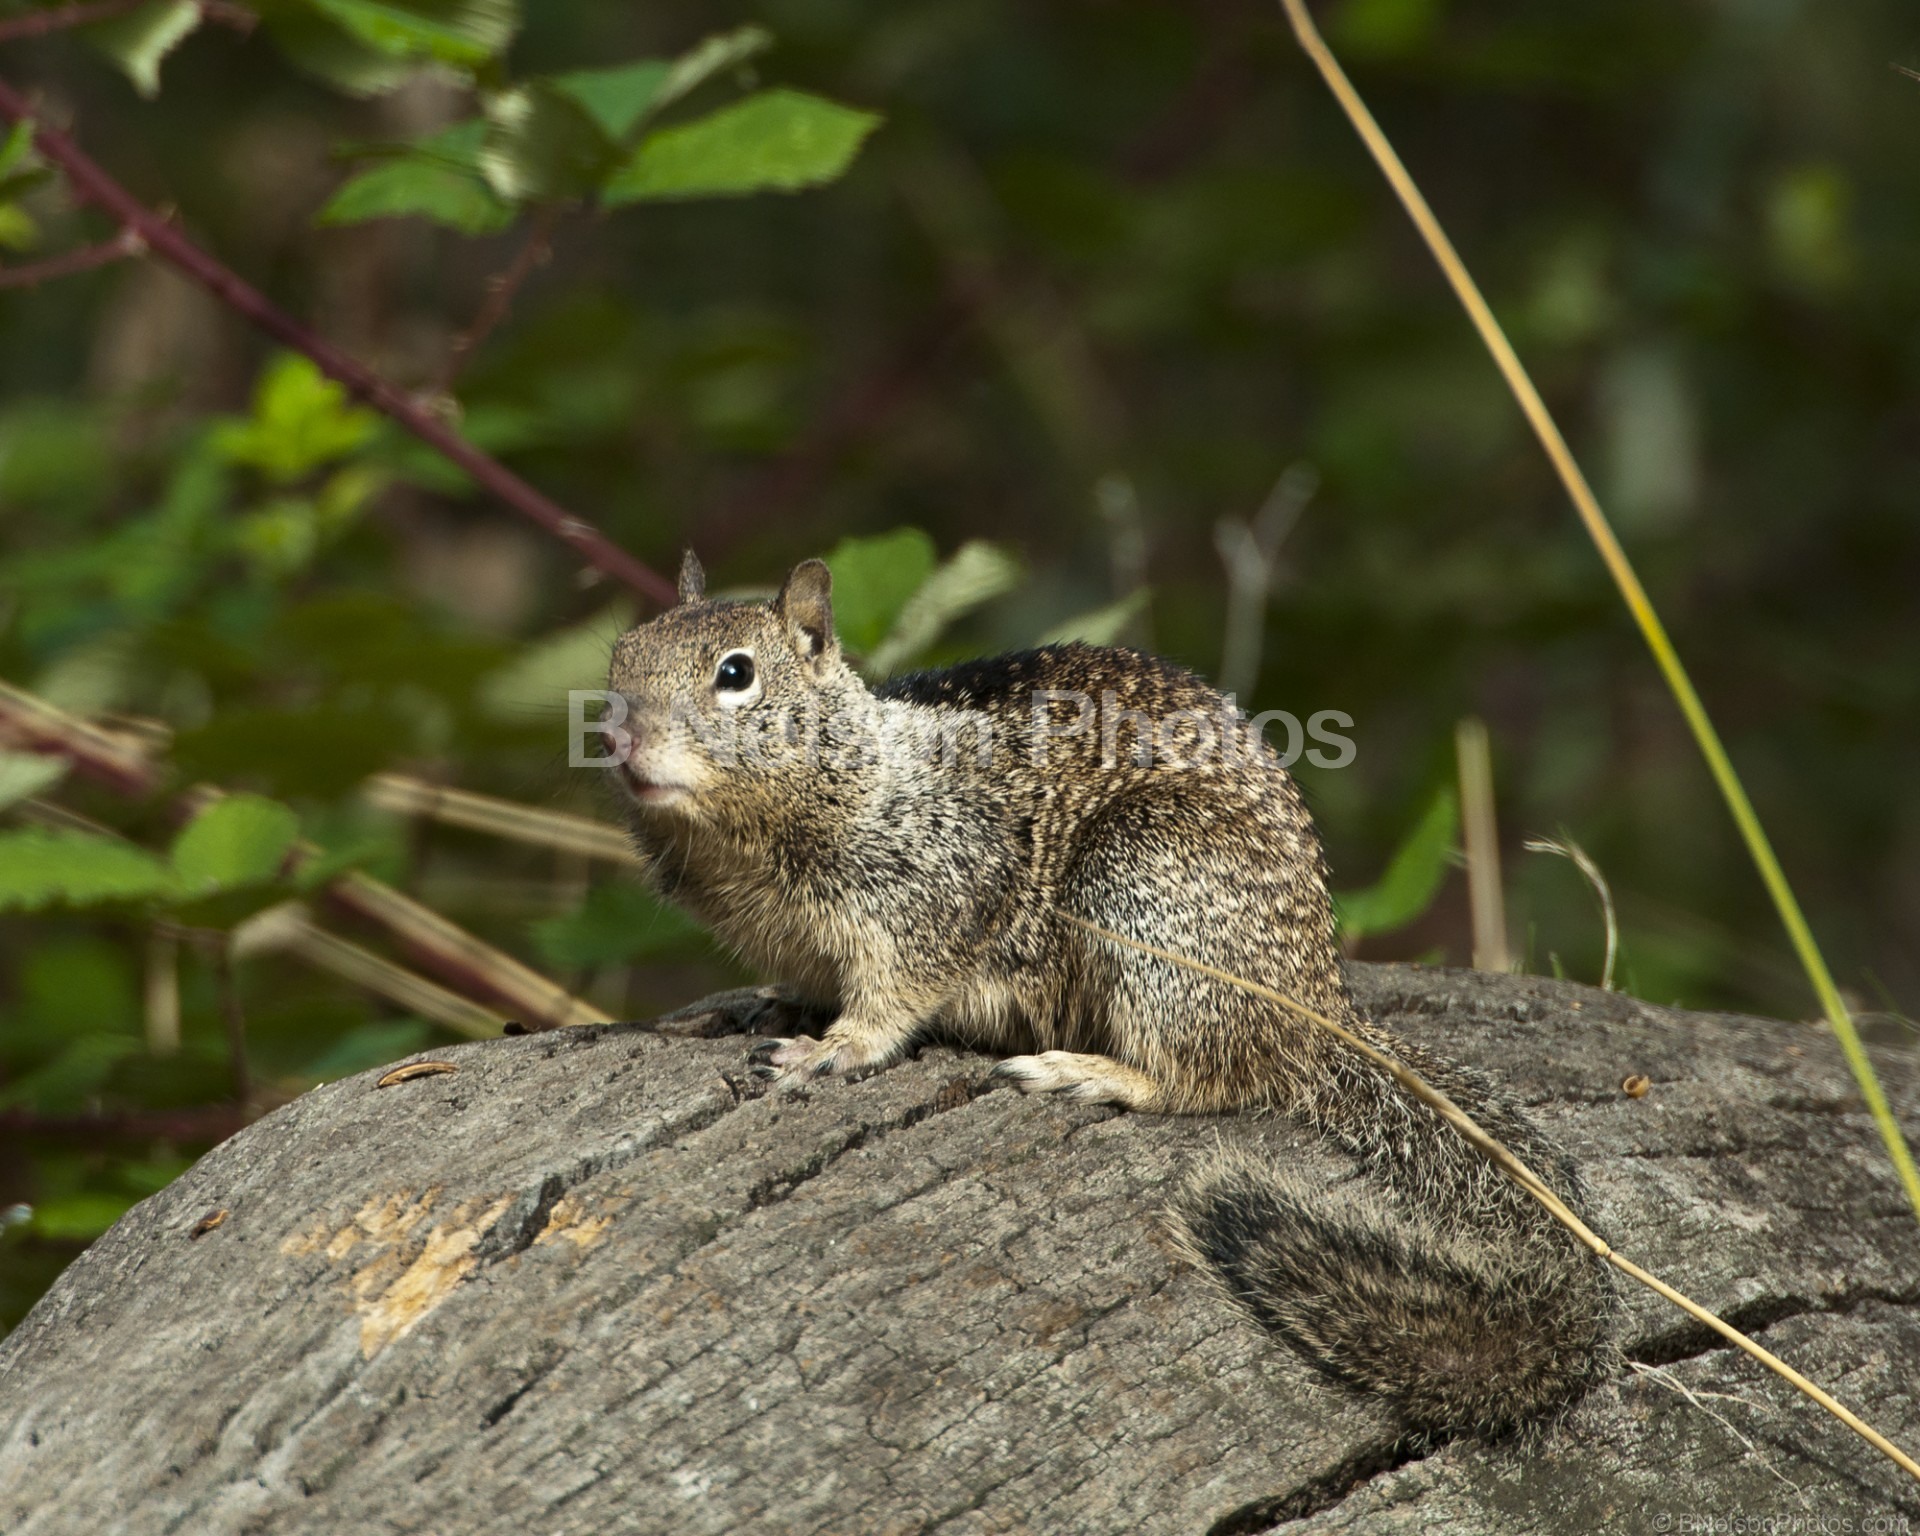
(693, 578)
(805, 606)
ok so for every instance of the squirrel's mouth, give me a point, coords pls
(647, 791)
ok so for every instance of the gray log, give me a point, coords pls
(596, 1281)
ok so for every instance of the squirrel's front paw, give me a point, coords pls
(803, 1057)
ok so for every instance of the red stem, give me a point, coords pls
(500, 292)
(94, 185)
(83, 259)
(40, 23)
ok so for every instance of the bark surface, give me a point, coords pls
(598, 1281)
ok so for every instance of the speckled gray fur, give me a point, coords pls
(917, 891)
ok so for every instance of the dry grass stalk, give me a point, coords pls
(288, 929)
(1528, 1180)
(471, 964)
(405, 796)
(118, 760)
(1568, 849)
(1679, 684)
(1481, 836)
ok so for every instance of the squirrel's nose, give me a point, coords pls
(621, 741)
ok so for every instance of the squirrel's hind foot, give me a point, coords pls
(1082, 1078)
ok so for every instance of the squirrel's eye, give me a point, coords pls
(735, 673)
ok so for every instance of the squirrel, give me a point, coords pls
(908, 859)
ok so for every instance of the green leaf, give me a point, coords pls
(872, 580)
(543, 146)
(16, 146)
(78, 1218)
(467, 33)
(73, 1076)
(301, 420)
(722, 51)
(40, 865)
(1413, 875)
(776, 141)
(536, 681)
(238, 840)
(25, 774)
(371, 1045)
(329, 53)
(139, 42)
(417, 186)
(977, 573)
(618, 922)
(616, 98)
(18, 231)
(1103, 626)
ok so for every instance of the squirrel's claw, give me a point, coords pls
(800, 1058)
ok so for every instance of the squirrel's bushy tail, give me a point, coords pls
(1434, 1282)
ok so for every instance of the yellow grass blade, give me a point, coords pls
(1601, 532)
(1531, 1182)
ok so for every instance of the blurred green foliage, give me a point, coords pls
(1103, 274)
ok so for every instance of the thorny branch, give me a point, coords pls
(535, 252)
(68, 263)
(92, 184)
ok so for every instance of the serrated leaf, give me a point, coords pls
(872, 580)
(616, 98)
(40, 866)
(1412, 877)
(238, 840)
(778, 141)
(418, 187)
(141, 41)
(467, 33)
(25, 774)
(976, 573)
(722, 51)
(1103, 626)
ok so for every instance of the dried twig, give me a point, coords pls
(1527, 1179)
(83, 258)
(92, 184)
